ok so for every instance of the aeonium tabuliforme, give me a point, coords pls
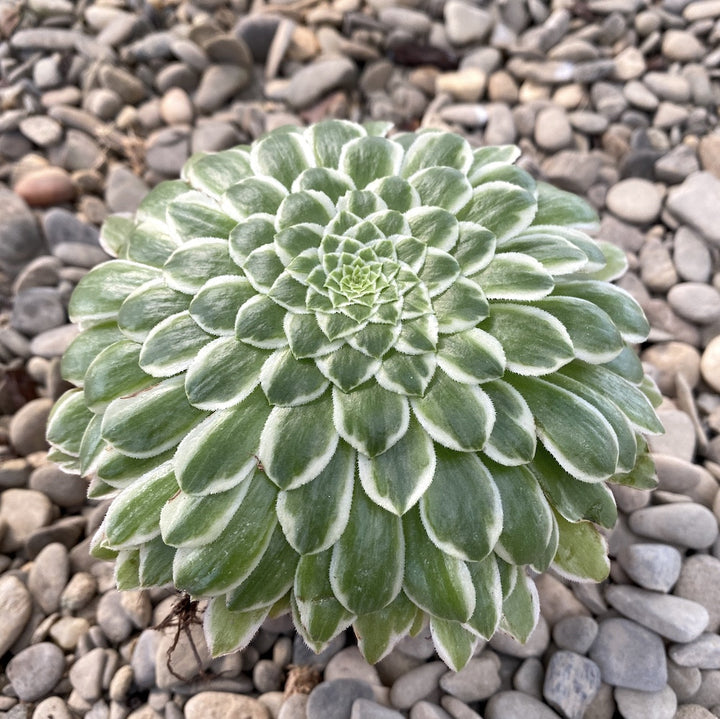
(367, 379)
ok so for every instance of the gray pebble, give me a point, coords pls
(223, 704)
(294, 707)
(695, 203)
(511, 705)
(22, 511)
(426, 710)
(350, 664)
(465, 23)
(687, 524)
(691, 256)
(416, 684)
(634, 704)
(314, 81)
(52, 708)
(61, 225)
(457, 709)
(703, 652)
(677, 164)
(629, 655)
(695, 302)
(419, 647)
(80, 254)
(677, 619)
(111, 617)
(700, 581)
(684, 681)
(535, 646)
(218, 84)
(657, 270)
(86, 674)
(674, 88)
(477, 680)
(35, 671)
(42, 130)
(63, 489)
(15, 608)
(680, 437)
(128, 86)
(335, 698)
(53, 343)
(529, 677)
(652, 566)
(43, 271)
(575, 634)
(302, 654)
(635, 200)
(368, 709)
(552, 129)
(167, 150)
(48, 576)
(143, 658)
(124, 190)
(571, 682)
(267, 676)
(37, 309)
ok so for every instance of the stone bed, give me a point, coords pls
(613, 99)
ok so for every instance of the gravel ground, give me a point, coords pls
(613, 99)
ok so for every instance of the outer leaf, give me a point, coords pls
(582, 553)
(189, 267)
(572, 430)
(461, 509)
(434, 226)
(378, 632)
(488, 591)
(282, 156)
(126, 527)
(616, 262)
(514, 276)
(259, 322)
(221, 450)
(407, 374)
(213, 173)
(223, 373)
(556, 254)
(313, 516)
(150, 244)
(120, 471)
(581, 240)
(270, 581)
(131, 424)
(512, 440)
(456, 416)
(114, 234)
(454, 644)
(85, 348)
(513, 324)
(287, 381)
(227, 631)
(328, 138)
(306, 338)
(297, 443)
(396, 479)
(442, 187)
(188, 521)
(521, 609)
(195, 215)
(370, 419)
(437, 149)
(461, 307)
(156, 560)
(395, 192)
(309, 206)
(557, 207)
(251, 196)
(501, 207)
(438, 583)
(471, 357)
(249, 235)
(215, 305)
(360, 580)
(221, 565)
(147, 306)
(127, 566)
(92, 447)
(475, 248)
(368, 158)
(488, 158)
(154, 205)
(330, 182)
(172, 345)
(68, 421)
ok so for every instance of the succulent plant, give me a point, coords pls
(370, 380)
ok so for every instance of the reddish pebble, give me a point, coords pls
(45, 187)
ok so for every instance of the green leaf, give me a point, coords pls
(99, 294)
(332, 183)
(521, 610)
(439, 271)
(227, 631)
(125, 526)
(461, 307)
(434, 226)
(461, 509)
(592, 331)
(194, 215)
(149, 244)
(189, 267)
(396, 193)
(572, 430)
(366, 569)
(396, 479)
(253, 195)
(501, 207)
(556, 254)
(213, 173)
(582, 552)
(320, 613)
(514, 276)
(131, 424)
(221, 450)
(558, 207)
(68, 421)
(259, 323)
(222, 564)
(629, 398)
(455, 415)
(282, 156)
(454, 644)
(512, 440)
(248, 236)
(616, 262)
(627, 364)
(262, 267)
(297, 443)
(475, 248)
(359, 204)
(120, 471)
(488, 592)
(115, 373)
(442, 187)
(368, 158)
(513, 324)
(215, 305)
(507, 173)
(375, 340)
(92, 447)
(371, 419)
(308, 206)
(191, 521)
(147, 306)
(485, 159)
(418, 336)
(527, 517)
(328, 138)
(509, 574)
(438, 583)
(625, 312)
(642, 475)
(572, 499)
(172, 345)
(288, 382)
(114, 234)
(154, 205)
(579, 239)
(306, 338)
(407, 374)
(378, 632)
(293, 241)
(313, 516)
(85, 348)
(437, 149)
(223, 373)
(127, 567)
(471, 357)
(156, 560)
(271, 579)
(390, 222)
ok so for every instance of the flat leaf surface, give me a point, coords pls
(454, 644)
(227, 631)
(442, 187)
(521, 609)
(471, 357)
(367, 158)
(433, 149)
(282, 156)
(214, 172)
(189, 267)
(149, 305)
(253, 195)
(68, 421)
(488, 591)
(172, 345)
(328, 138)
(582, 554)
(461, 307)
(194, 215)
(514, 276)
(259, 322)
(378, 632)
(85, 348)
(407, 374)
(558, 207)
(287, 381)
(215, 306)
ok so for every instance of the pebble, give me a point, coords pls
(416, 685)
(38, 309)
(699, 581)
(34, 672)
(511, 705)
(48, 576)
(652, 566)
(45, 187)
(350, 664)
(634, 704)
(634, 200)
(143, 658)
(695, 302)
(218, 84)
(535, 645)
(65, 490)
(15, 607)
(553, 131)
(710, 364)
(571, 682)
(42, 130)
(294, 707)
(629, 655)
(52, 708)
(670, 359)
(693, 711)
(86, 674)
(703, 652)
(367, 709)
(112, 618)
(426, 710)
(67, 631)
(22, 511)
(691, 256)
(695, 203)
(477, 680)
(657, 270)
(332, 698)
(223, 705)
(687, 524)
(575, 633)
(314, 81)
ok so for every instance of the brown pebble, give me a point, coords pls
(45, 187)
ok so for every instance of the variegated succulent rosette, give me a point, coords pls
(367, 379)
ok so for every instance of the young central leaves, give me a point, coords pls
(362, 376)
